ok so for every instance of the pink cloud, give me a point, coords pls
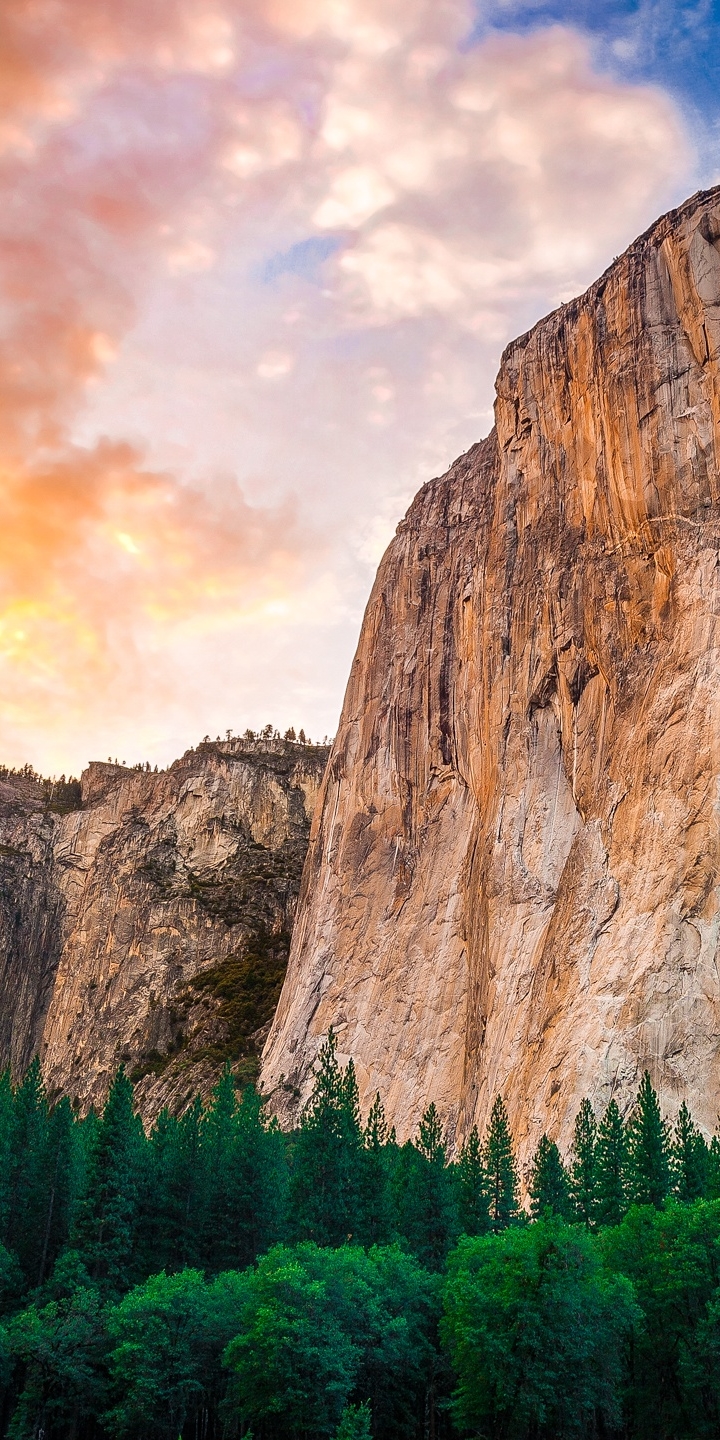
(153, 160)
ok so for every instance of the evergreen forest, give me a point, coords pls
(219, 1278)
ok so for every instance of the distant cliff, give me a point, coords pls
(512, 883)
(147, 918)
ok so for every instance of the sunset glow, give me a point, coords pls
(257, 265)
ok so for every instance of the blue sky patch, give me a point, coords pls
(675, 45)
(303, 259)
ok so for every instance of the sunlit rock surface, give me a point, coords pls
(512, 882)
(151, 925)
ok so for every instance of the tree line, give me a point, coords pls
(216, 1277)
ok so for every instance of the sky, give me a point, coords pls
(258, 262)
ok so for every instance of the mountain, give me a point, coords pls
(512, 882)
(145, 917)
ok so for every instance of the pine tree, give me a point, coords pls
(712, 1183)
(500, 1169)
(62, 1179)
(259, 1174)
(430, 1137)
(28, 1171)
(472, 1187)
(174, 1205)
(583, 1169)
(6, 1154)
(217, 1143)
(105, 1231)
(378, 1214)
(611, 1166)
(690, 1158)
(157, 1219)
(428, 1215)
(351, 1099)
(326, 1187)
(648, 1149)
(549, 1183)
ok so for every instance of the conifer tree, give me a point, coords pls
(689, 1158)
(157, 1219)
(648, 1149)
(611, 1167)
(62, 1179)
(583, 1168)
(217, 1143)
(351, 1098)
(712, 1181)
(378, 1216)
(188, 1181)
(500, 1169)
(105, 1231)
(326, 1187)
(6, 1153)
(472, 1187)
(549, 1186)
(428, 1215)
(173, 1212)
(430, 1137)
(28, 1171)
(259, 1173)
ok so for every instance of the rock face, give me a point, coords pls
(512, 882)
(150, 922)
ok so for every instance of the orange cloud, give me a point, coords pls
(153, 159)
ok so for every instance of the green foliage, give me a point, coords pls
(242, 1157)
(376, 1205)
(247, 986)
(61, 1349)
(473, 1213)
(319, 1326)
(549, 1183)
(354, 1423)
(425, 1194)
(690, 1159)
(326, 1188)
(712, 1173)
(167, 1339)
(536, 1333)
(500, 1169)
(105, 1230)
(611, 1166)
(174, 1285)
(174, 1201)
(673, 1258)
(648, 1145)
(584, 1166)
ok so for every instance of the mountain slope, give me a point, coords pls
(149, 921)
(512, 876)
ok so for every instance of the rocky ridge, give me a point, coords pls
(512, 882)
(147, 919)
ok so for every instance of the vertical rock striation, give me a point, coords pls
(512, 882)
(151, 923)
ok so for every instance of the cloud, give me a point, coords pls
(463, 184)
(256, 264)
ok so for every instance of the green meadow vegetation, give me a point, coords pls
(218, 1278)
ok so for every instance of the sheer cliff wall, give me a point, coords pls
(151, 925)
(512, 882)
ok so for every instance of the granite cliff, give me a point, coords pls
(145, 918)
(512, 882)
